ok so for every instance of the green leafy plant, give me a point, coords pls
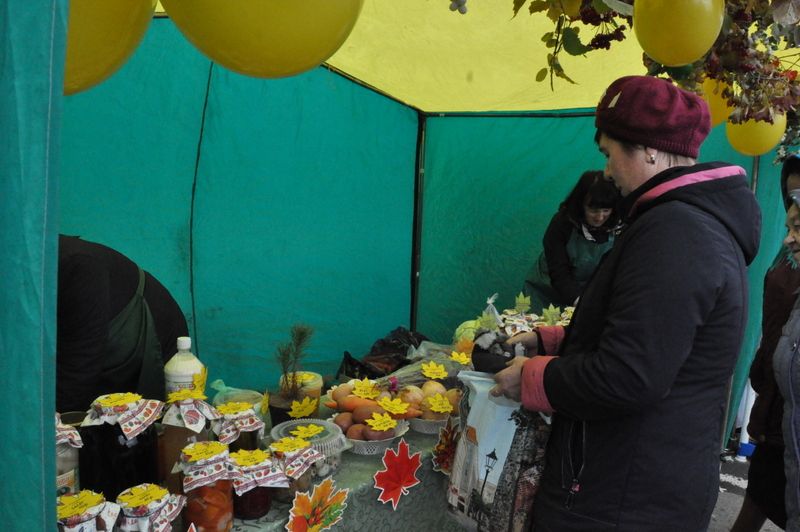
(289, 356)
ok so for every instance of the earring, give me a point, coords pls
(651, 158)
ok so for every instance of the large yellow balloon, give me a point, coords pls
(677, 32)
(756, 137)
(717, 105)
(266, 38)
(101, 35)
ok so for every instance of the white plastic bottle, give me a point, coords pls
(180, 370)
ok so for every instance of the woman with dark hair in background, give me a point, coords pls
(766, 481)
(577, 237)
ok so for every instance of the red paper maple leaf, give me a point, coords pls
(400, 473)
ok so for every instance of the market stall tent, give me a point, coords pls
(401, 185)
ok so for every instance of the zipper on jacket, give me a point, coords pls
(792, 363)
(575, 483)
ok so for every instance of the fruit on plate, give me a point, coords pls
(344, 420)
(341, 391)
(356, 431)
(363, 413)
(376, 435)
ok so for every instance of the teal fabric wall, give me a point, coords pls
(31, 79)
(258, 203)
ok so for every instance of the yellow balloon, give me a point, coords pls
(717, 105)
(101, 36)
(756, 137)
(677, 32)
(266, 38)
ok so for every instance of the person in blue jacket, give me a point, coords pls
(578, 235)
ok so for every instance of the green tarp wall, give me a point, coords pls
(258, 203)
(31, 79)
(263, 203)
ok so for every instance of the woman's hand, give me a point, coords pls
(509, 381)
(528, 339)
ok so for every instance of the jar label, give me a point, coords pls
(72, 505)
(141, 495)
(67, 483)
(118, 399)
(204, 450)
(245, 458)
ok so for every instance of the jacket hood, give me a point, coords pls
(717, 188)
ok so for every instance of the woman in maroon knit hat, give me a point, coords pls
(638, 381)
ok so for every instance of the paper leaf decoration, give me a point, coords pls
(307, 431)
(461, 358)
(303, 408)
(264, 407)
(366, 389)
(487, 321)
(185, 393)
(141, 495)
(432, 370)
(233, 408)
(320, 511)
(522, 303)
(445, 449)
(381, 422)
(439, 403)
(199, 380)
(551, 315)
(393, 406)
(287, 445)
(399, 474)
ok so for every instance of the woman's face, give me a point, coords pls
(594, 216)
(792, 240)
(626, 168)
(793, 182)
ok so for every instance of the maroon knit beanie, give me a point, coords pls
(654, 113)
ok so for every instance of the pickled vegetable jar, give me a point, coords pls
(85, 511)
(257, 474)
(148, 507)
(185, 421)
(68, 441)
(120, 445)
(206, 478)
(239, 426)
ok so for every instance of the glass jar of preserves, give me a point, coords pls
(120, 444)
(85, 511)
(185, 422)
(239, 427)
(296, 458)
(68, 441)
(206, 473)
(148, 507)
(257, 473)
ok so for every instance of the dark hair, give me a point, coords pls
(791, 166)
(629, 147)
(595, 191)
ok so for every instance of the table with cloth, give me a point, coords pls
(424, 508)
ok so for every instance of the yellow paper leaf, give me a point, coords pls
(141, 495)
(72, 505)
(199, 380)
(264, 404)
(393, 406)
(461, 358)
(233, 408)
(185, 393)
(366, 389)
(439, 403)
(203, 450)
(381, 422)
(119, 399)
(307, 431)
(432, 370)
(244, 458)
(303, 408)
(289, 444)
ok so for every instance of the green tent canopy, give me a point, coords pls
(399, 185)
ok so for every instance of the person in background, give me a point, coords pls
(766, 481)
(639, 386)
(116, 326)
(786, 367)
(578, 235)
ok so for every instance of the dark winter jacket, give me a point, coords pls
(640, 387)
(780, 292)
(95, 284)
